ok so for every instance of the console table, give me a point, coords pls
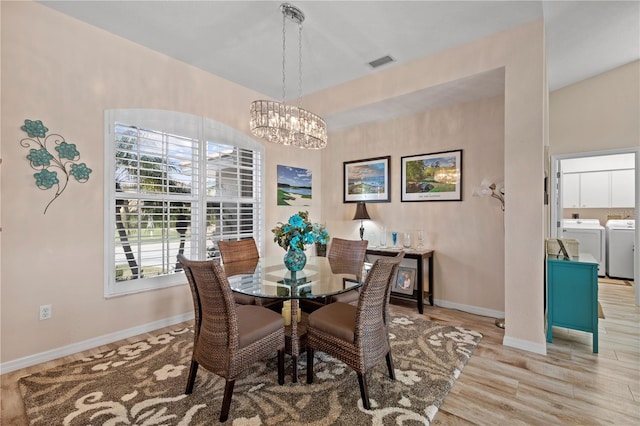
(572, 295)
(420, 255)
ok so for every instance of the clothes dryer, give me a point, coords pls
(591, 238)
(620, 248)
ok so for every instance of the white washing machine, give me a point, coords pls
(591, 237)
(620, 248)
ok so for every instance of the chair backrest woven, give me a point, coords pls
(392, 279)
(347, 256)
(217, 326)
(235, 251)
(197, 310)
(370, 330)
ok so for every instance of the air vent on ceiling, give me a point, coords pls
(381, 61)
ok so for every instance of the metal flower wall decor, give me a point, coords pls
(42, 159)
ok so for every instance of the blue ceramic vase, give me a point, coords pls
(295, 259)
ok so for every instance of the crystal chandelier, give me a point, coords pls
(285, 124)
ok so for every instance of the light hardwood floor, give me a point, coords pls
(500, 385)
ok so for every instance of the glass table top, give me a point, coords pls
(268, 277)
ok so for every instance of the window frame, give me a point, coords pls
(204, 131)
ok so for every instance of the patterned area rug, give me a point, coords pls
(143, 384)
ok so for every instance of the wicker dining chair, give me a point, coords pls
(228, 338)
(357, 335)
(243, 251)
(347, 257)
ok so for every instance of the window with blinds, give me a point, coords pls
(175, 188)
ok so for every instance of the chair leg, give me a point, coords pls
(226, 400)
(281, 367)
(392, 373)
(192, 377)
(364, 391)
(309, 365)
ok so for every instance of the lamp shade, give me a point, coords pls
(361, 211)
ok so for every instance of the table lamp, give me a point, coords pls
(361, 215)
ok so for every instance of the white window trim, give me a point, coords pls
(185, 125)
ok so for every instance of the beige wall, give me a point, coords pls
(521, 52)
(467, 236)
(600, 113)
(67, 73)
(601, 214)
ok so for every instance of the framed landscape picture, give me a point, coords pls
(367, 180)
(294, 186)
(432, 177)
(405, 281)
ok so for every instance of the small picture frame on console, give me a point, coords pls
(405, 281)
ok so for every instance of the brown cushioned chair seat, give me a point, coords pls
(256, 322)
(243, 299)
(337, 319)
(350, 296)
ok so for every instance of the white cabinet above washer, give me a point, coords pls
(595, 190)
(599, 189)
(623, 188)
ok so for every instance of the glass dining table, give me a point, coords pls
(268, 278)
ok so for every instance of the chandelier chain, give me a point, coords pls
(285, 124)
(300, 65)
(284, 55)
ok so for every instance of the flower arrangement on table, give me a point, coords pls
(322, 236)
(322, 239)
(294, 235)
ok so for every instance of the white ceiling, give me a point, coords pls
(242, 40)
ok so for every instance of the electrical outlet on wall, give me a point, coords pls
(45, 312)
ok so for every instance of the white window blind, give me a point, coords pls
(174, 189)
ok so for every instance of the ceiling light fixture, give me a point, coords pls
(285, 124)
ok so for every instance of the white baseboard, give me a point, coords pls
(74, 348)
(470, 309)
(506, 341)
(525, 345)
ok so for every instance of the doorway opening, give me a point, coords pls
(591, 189)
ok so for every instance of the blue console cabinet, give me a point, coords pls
(572, 295)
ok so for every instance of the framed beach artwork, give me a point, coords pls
(432, 177)
(294, 186)
(367, 180)
(405, 281)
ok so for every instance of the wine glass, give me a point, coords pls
(420, 234)
(394, 238)
(406, 240)
(383, 237)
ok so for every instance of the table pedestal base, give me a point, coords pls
(295, 338)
